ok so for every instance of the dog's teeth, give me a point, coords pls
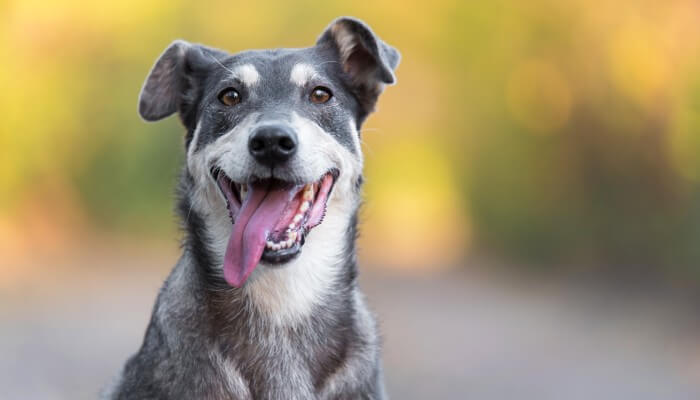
(308, 192)
(305, 206)
(292, 236)
(270, 243)
(292, 225)
(297, 218)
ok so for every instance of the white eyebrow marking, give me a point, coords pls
(247, 74)
(302, 73)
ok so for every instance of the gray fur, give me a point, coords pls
(208, 340)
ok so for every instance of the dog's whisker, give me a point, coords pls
(216, 60)
(367, 148)
(326, 62)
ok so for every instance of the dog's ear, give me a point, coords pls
(368, 62)
(172, 84)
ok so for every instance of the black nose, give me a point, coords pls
(272, 144)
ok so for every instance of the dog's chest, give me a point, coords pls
(277, 367)
(277, 381)
(285, 362)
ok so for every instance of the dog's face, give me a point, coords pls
(273, 145)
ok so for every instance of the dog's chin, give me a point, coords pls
(271, 218)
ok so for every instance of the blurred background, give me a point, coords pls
(532, 218)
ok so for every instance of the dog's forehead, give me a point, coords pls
(278, 67)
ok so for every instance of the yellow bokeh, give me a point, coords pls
(639, 62)
(413, 214)
(604, 90)
(538, 96)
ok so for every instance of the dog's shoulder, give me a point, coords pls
(175, 360)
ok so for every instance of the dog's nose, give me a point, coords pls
(272, 144)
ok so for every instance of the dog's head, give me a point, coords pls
(272, 136)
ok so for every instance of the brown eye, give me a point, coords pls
(320, 95)
(230, 97)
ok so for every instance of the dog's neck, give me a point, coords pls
(281, 296)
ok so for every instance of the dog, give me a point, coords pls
(264, 301)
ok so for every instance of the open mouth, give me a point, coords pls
(270, 220)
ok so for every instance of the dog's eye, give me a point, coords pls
(230, 97)
(320, 95)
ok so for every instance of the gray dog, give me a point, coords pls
(264, 302)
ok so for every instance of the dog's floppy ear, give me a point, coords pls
(367, 60)
(172, 83)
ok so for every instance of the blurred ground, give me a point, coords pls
(66, 330)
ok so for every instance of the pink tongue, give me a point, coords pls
(255, 220)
